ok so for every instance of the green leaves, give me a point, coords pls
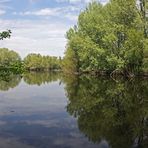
(9, 60)
(108, 37)
(5, 34)
(37, 62)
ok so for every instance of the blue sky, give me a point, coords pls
(39, 26)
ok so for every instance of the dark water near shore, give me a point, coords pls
(52, 110)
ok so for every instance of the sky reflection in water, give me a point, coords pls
(34, 116)
(43, 110)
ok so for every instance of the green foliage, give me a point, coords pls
(145, 59)
(5, 34)
(10, 60)
(109, 38)
(38, 63)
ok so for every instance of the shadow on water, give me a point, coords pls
(106, 113)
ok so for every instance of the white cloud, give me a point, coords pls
(51, 11)
(35, 36)
(71, 17)
(69, 12)
(74, 1)
(42, 12)
(82, 1)
(44, 36)
(2, 12)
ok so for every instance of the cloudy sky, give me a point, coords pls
(39, 26)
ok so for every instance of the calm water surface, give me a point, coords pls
(50, 110)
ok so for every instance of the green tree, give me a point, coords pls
(37, 62)
(107, 38)
(10, 60)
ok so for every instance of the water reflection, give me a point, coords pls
(116, 111)
(8, 81)
(56, 110)
(40, 78)
(33, 115)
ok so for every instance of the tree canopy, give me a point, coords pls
(109, 38)
(9, 60)
(39, 62)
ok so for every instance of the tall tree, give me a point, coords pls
(109, 38)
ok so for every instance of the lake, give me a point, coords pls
(53, 110)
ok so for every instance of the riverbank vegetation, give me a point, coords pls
(11, 62)
(108, 39)
(37, 62)
(111, 38)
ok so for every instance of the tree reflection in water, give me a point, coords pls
(39, 78)
(106, 110)
(116, 111)
(8, 81)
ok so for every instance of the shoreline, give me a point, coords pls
(91, 73)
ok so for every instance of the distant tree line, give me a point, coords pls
(11, 61)
(37, 62)
(111, 38)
